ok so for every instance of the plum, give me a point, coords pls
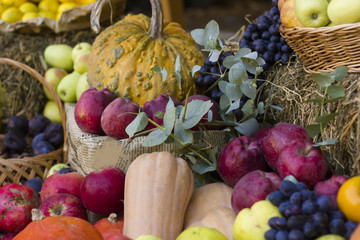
(19, 123)
(42, 148)
(37, 124)
(54, 134)
(14, 142)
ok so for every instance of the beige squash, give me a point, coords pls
(210, 206)
(158, 188)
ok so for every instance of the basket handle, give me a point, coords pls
(52, 92)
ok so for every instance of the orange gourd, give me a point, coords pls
(111, 225)
(58, 228)
(158, 188)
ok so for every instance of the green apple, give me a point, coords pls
(59, 56)
(147, 237)
(52, 112)
(54, 169)
(344, 11)
(312, 13)
(66, 89)
(252, 223)
(82, 85)
(201, 233)
(79, 49)
(53, 76)
(81, 62)
(330, 236)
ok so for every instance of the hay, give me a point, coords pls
(288, 86)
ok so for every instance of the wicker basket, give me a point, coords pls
(14, 170)
(325, 48)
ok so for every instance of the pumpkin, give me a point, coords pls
(110, 225)
(210, 206)
(158, 188)
(124, 54)
(58, 228)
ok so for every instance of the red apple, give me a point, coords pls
(214, 108)
(103, 191)
(115, 236)
(158, 105)
(304, 161)
(63, 204)
(330, 187)
(62, 183)
(16, 202)
(9, 236)
(117, 116)
(89, 108)
(261, 134)
(253, 187)
(240, 156)
(277, 138)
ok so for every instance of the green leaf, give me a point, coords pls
(211, 31)
(333, 100)
(224, 102)
(251, 55)
(137, 125)
(260, 61)
(322, 79)
(170, 104)
(336, 91)
(325, 118)
(313, 130)
(212, 43)
(229, 61)
(179, 110)
(339, 73)
(155, 69)
(196, 109)
(260, 108)
(328, 142)
(248, 108)
(242, 52)
(248, 127)
(164, 75)
(214, 55)
(315, 100)
(195, 69)
(233, 92)
(198, 36)
(202, 167)
(210, 115)
(222, 86)
(250, 65)
(237, 74)
(233, 106)
(169, 120)
(177, 70)
(159, 114)
(156, 137)
(184, 135)
(249, 89)
(259, 70)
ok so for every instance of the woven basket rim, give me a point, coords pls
(321, 29)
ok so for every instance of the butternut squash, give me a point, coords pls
(158, 188)
(210, 206)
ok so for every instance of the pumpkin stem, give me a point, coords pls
(36, 215)
(156, 19)
(112, 218)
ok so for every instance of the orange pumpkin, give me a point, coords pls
(111, 225)
(58, 228)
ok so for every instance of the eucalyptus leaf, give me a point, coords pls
(251, 55)
(163, 74)
(224, 102)
(260, 61)
(222, 86)
(170, 104)
(179, 110)
(248, 108)
(248, 127)
(237, 74)
(212, 43)
(323, 79)
(159, 114)
(250, 65)
(177, 70)
(137, 125)
(260, 108)
(333, 100)
(325, 118)
(336, 91)
(202, 167)
(242, 52)
(198, 36)
(313, 130)
(196, 109)
(248, 88)
(339, 73)
(328, 142)
(211, 31)
(210, 115)
(233, 106)
(156, 137)
(229, 61)
(233, 92)
(314, 100)
(185, 135)
(169, 120)
(259, 70)
(214, 55)
(276, 107)
(191, 158)
(195, 69)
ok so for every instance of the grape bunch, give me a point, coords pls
(263, 36)
(305, 215)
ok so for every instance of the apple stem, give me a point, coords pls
(112, 218)
(36, 215)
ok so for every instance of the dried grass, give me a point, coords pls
(289, 86)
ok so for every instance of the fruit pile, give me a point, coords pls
(21, 10)
(44, 135)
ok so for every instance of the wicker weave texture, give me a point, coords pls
(325, 48)
(16, 170)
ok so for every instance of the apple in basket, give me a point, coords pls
(89, 108)
(15, 208)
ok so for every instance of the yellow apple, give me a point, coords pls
(53, 76)
(330, 237)
(252, 223)
(66, 89)
(287, 14)
(82, 85)
(147, 237)
(201, 233)
(344, 11)
(52, 112)
(80, 48)
(312, 13)
(81, 62)
(59, 56)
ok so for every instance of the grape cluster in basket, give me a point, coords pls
(263, 36)
(305, 215)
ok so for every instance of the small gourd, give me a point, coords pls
(158, 188)
(123, 57)
(111, 225)
(58, 228)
